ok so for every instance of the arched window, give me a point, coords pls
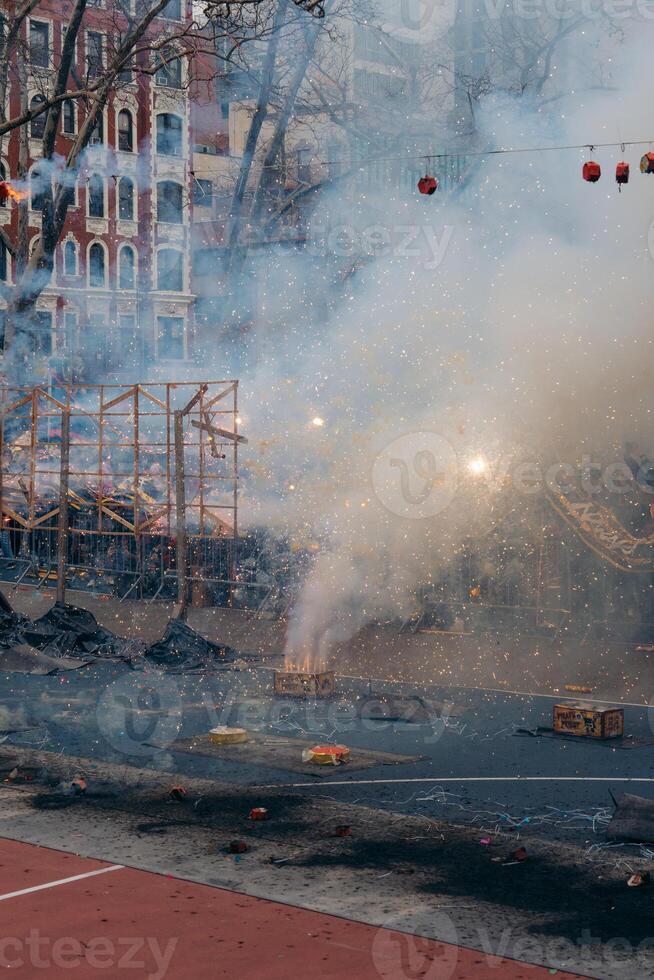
(70, 259)
(3, 176)
(125, 131)
(96, 196)
(96, 265)
(169, 202)
(170, 270)
(126, 264)
(169, 134)
(126, 199)
(37, 190)
(4, 263)
(37, 125)
(68, 118)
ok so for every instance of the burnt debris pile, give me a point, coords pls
(68, 637)
(183, 649)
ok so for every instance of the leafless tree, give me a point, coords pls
(135, 45)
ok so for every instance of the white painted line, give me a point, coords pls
(436, 781)
(62, 881)
(564, 696)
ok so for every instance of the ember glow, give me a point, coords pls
(8, 190)
(478, 466)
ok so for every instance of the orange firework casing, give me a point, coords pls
(588, 721)
(301, 685)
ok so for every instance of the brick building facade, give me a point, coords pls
(121, 293)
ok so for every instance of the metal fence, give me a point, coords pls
(129, 489)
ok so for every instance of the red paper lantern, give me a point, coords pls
(622, 172)
(647, 164)
(427, 185)
(592, 172)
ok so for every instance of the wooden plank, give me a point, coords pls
(119, 398)
(117, 518)
(180, 502)
(45, 517)
(220, 396)
(144, 391)
(216, 430)
(18, 404)
(54, 400)
(62, 529)
(202, 390)
(16, 517)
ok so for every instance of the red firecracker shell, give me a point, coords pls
(622, 173)
(428, 185)
(647, 164)
(258, 813)
(592, 172)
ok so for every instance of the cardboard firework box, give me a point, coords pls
(588, 721)
(302, 685)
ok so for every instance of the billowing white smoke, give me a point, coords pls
(534, 331)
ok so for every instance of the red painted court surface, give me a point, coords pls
(80, 918)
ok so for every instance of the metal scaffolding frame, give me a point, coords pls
(119, 463)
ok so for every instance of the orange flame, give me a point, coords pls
(6, 190)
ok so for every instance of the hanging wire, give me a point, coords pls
(499, 152)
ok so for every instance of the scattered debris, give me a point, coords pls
(486, 841)
(300, 685)
(578, 689)
(588, 721)
(222, 735)
(183, 649)
(258, 813)
(238, 847)
(178, 793)
(79, 784)
(327, 755)
(343, 830)
(639, 880)
(633, 820)
(520, 854)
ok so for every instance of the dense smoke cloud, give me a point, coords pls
(529, 334)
